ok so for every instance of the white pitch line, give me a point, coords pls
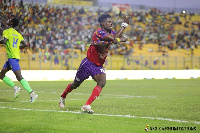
(101, 97)
(82, 99)
(127, 116)
(47, 100)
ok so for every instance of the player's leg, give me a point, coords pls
(101, 81)
(99, 76)
(17, 71)
(26, 85)
(8, 81)
(81, 75)
(68, 89)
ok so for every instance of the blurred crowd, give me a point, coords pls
(159, 28)
(56, 30)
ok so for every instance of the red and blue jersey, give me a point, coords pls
(97, 54)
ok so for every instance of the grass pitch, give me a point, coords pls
(124, 106)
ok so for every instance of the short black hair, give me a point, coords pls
(15, 22)
(103, 17)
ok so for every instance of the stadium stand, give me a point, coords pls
(63, 31)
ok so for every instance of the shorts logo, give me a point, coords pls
(77, 79)
(102, 70)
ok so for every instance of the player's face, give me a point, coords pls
(107, 24)
(9, 22)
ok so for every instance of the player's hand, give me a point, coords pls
(124, 39)
(127, 19)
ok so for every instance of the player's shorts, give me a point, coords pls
(12, 64)
(86, 69)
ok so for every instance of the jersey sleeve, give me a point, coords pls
(101, 42)
(5, 34)
(113, 32)
(101, 34)
(98, 36)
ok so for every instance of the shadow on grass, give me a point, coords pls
(6, 100)
(72, 108)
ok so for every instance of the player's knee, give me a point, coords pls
(74, 85)
(19, 77)
(1, 77)
(102, 84)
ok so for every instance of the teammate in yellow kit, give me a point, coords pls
(13, 42)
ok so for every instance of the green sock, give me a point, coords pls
(8, 81)
(26, 85)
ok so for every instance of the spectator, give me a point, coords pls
(56, 60)
(49, 27)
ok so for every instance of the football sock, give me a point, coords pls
(32, 93)
(66, 91)
(8, 81)
(95, 93)
(26, 85)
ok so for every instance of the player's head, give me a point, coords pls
(105, 21)
(12, 22)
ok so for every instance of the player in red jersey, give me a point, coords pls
(92, 65)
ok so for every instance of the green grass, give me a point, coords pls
(124, 106)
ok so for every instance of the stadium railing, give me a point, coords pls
(114, 62)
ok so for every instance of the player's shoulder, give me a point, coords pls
(6, 30)
(18, 33)
(9, 30)
(100, 31)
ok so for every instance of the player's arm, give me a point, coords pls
(4, 38)
(3, 41)
(115, 39)
(97, 40)
(112, 40)
(22, 45)
(123, 27)
(118, 36)
(101, 43)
